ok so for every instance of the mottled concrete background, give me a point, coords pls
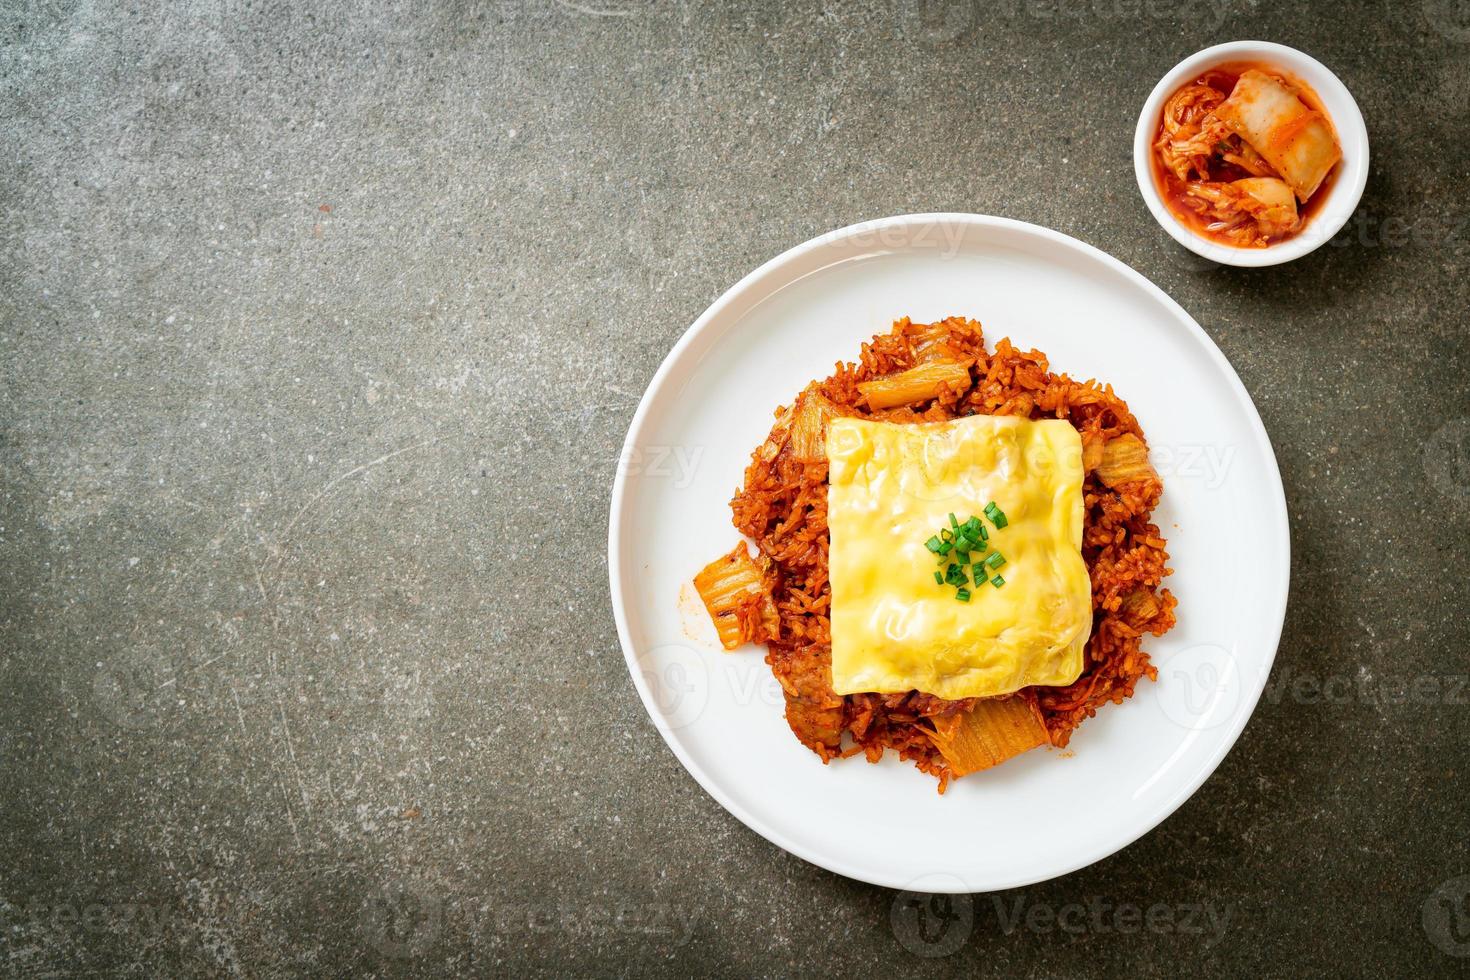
(319, 335)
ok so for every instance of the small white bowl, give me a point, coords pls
(1344, 193)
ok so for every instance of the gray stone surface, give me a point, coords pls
(319, 334)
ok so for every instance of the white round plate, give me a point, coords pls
(1044, 813)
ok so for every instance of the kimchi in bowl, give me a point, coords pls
(1317, 218)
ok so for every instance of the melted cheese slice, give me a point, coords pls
(891, 487)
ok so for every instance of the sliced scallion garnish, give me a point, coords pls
(961, 551)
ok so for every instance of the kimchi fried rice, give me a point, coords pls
(782, 507)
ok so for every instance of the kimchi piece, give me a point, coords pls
(736, 591)
(989, 733)
(1244, 156)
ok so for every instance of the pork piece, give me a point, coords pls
(813, 711)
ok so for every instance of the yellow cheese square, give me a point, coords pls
(894, 486)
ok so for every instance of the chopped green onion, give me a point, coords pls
(961, 550)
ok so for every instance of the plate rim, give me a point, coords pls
(618, 504)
